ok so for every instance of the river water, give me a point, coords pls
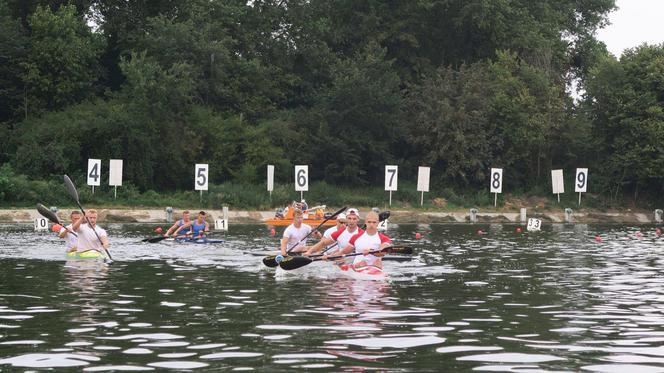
(555, 300)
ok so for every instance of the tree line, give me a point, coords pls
(344, 86)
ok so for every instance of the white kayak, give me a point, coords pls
(362, 273)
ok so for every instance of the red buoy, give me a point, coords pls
(518, 230)
(272, 232)
(480, 232)
(158, 230)
(658, 232)
(598, 238)
(418, 235)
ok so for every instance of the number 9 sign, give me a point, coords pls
(581, 180)
(201, 176)
(301, 178)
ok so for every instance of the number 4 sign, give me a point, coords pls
(94, 173)
(581, 182)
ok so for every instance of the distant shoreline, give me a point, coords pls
(397, 216)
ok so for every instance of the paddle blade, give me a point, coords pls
(294, 262)
(48, 214)
(383, 216)
(270, 261)
(71, 189)
(400, 250)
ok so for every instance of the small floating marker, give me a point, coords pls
(480, 232)
(519, 230)
(658, 232)
(56, 228)
(418, 235)
(638, 234)
(158, 230)
(272, 232)
(598, 238)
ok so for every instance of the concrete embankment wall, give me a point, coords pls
(397, 216)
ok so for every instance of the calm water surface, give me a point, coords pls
(556, 300)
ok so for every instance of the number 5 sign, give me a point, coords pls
(201, 176)
(581, 182)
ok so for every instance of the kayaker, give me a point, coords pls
(367, 243)
(341, 237)
(87, 239)
(293, 239)
(197, 228)
(178, 224)
(67, 233)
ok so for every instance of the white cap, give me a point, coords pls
(341, 216)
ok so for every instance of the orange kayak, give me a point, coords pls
(311, 217)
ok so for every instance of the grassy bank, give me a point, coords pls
(19, 191)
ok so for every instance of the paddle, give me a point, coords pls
(271, 261)
(74, 195)
(295, 262)
(381, 217)
(50, 215)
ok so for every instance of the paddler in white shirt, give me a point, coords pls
(71, 241)
(293, 239)
(367, 243)
(339, 238)
(87, 239)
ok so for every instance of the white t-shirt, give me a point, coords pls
(343, 236)
(363, 241)
(294, 235)
(71, 241)
(87, 240)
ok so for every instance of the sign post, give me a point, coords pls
(94, 173)
(581, 182)
(391, 178)
(423, 174)
(557, 182)
(496, 184)
(201, 178)
(115, 175)
(270, 179)
(301, 179)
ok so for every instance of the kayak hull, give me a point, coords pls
(363, 273)
(283, 222)
(84, 255)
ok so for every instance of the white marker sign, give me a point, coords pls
(41, 224)
(423, 174)
(534, 225)
(94, 172)
(496, 180)
(270, 178)
(391, 178)
(221, 225)
(201, 176)
(557, 182)
(581, 182)
(301, 178)
(115, 172)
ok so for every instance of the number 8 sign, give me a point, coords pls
(496, 180)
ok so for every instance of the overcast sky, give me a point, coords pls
(634, 23)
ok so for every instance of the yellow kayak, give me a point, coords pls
(84, 255)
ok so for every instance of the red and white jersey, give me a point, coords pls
(343, 236)
(363, 241)
(87, 239)
(295, 235)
